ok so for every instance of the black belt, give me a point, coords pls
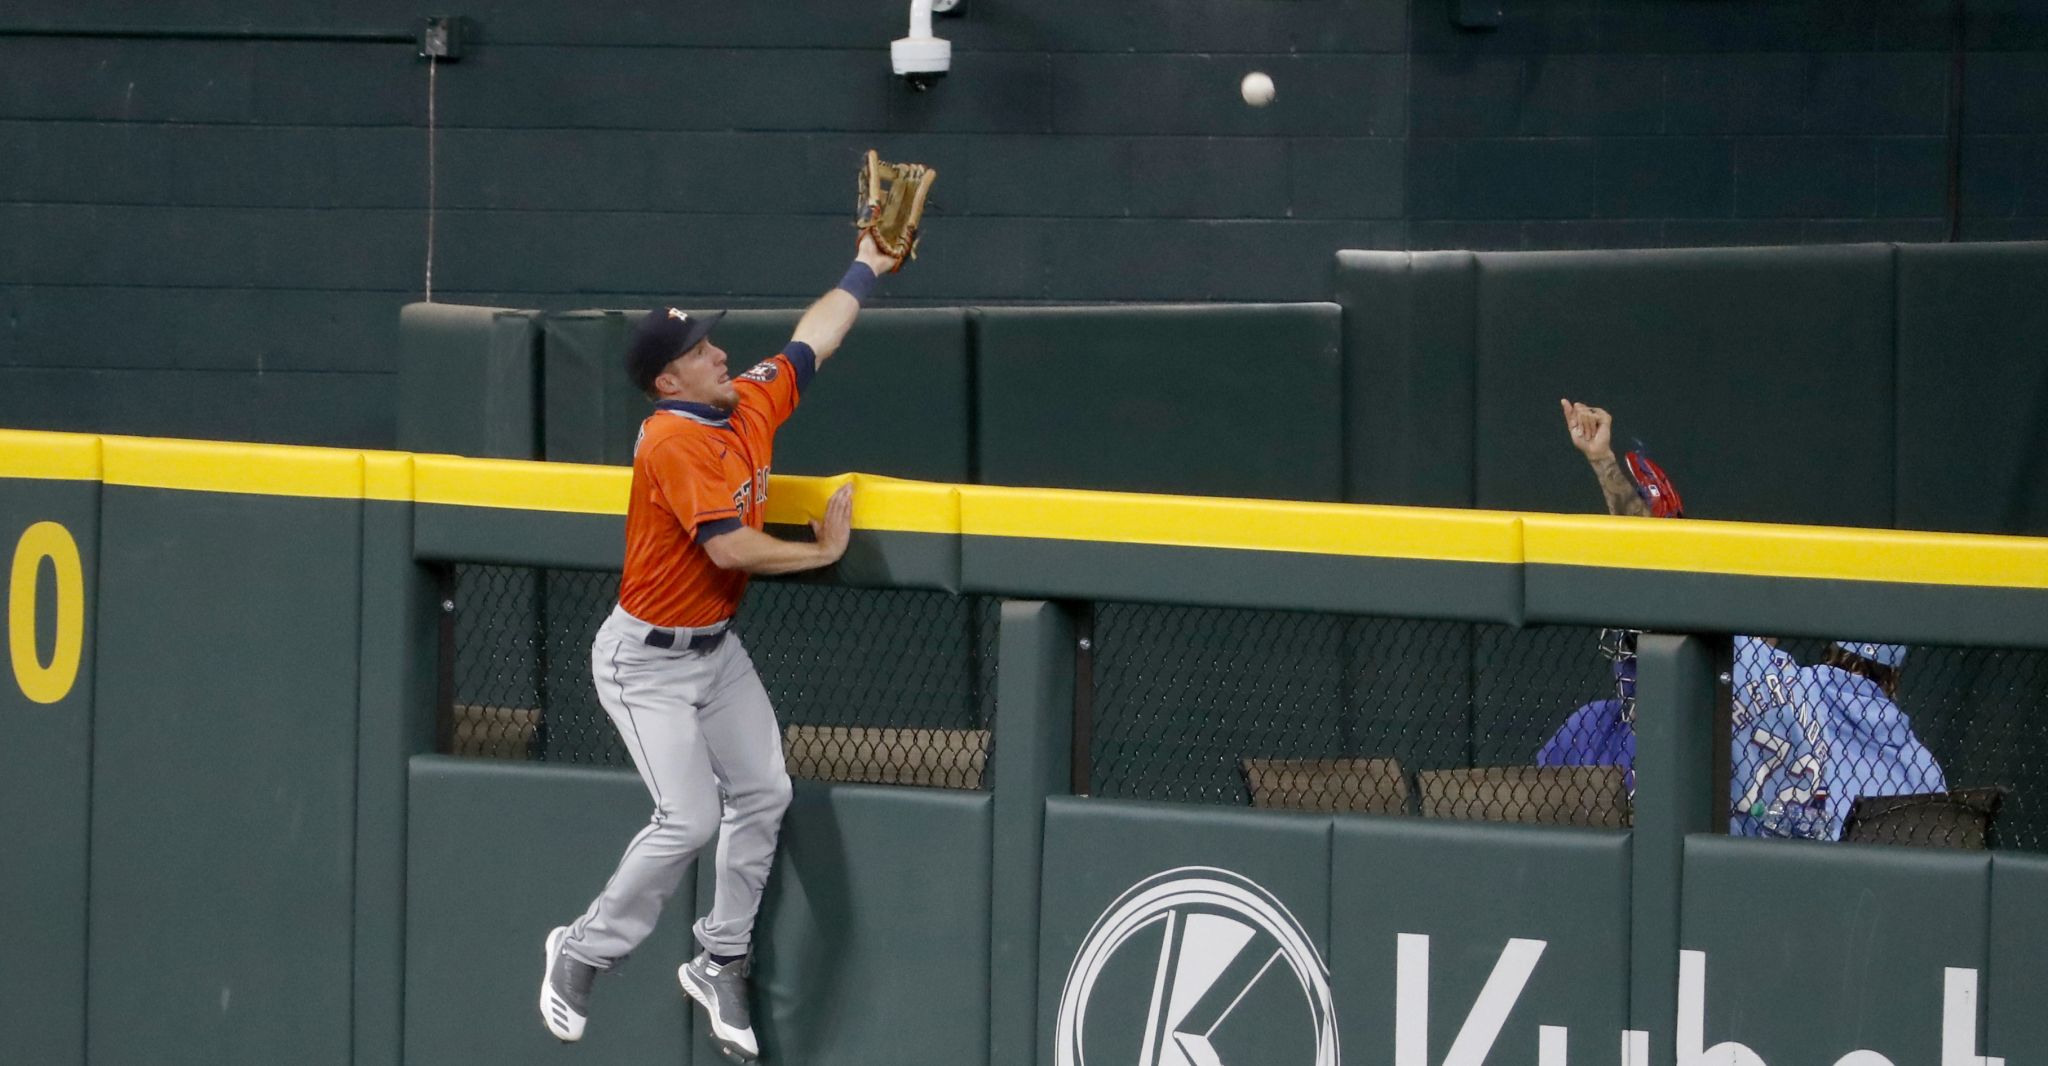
(666, 638)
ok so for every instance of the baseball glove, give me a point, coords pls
(891, 204)
(1653, 484)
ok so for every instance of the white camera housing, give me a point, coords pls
(921, 59)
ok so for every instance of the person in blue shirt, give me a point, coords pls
(1602, 732)
(1808, 741)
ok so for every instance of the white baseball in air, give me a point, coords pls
(1256, 88)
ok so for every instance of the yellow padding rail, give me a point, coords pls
(891, 504)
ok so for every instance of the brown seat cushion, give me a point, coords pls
(1368, 786)
(493, 732)
(1595, 796)
(936, 758)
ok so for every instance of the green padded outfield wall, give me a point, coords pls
(49, 528)
(1761, 380)
(1409, 361)
(1202, 400)
(469, 381)
(893, 400)
(2019, 953)
(228, 752)
(873, 947)
(500, 853)
(1262, 937)
(1973, 388)
(224, 774)
(1883, 923)
(1864, 385)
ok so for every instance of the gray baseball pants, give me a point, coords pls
(703, 736)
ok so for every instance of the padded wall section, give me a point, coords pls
(1472, 890)
(499, 854)
(46, 700)
(873, 943)
(1815, 951)
(468, 381)
(1761, 379)
(1973, 388)
(893, 400)
(2018, 979)
(1182, 960)
(585, 396)
(1408, 373)
(224, 748)
(1195, 400)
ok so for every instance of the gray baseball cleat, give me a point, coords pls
(722, 992)
(565, 990)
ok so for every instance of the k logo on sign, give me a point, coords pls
(1197, 967)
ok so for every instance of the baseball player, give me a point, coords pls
(670, 671)
(1806, 741)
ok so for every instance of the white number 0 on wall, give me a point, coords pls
(46, 682)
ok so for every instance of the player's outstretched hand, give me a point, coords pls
(833, 530)
(871, 254)
(1591, 428)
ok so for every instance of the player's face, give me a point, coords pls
(699, 376)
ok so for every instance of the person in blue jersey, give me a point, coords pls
(1807, 741)
(1602, 732)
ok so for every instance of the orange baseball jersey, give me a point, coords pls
(699, 472)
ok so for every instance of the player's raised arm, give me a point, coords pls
(825, 324)
(1592, 433)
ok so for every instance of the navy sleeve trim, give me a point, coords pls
(716, 528)
(804, 360)
(859, 282)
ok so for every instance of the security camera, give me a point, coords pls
(921, 59)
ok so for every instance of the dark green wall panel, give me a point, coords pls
(1471, 889)
(1099, 850)
(906, 370)
(1973, 388)
(873, 942)
(585, 397)
(469, 381)
(396, 720)
(2017, 981)
(1219, 401)
(1815, 951)
(1762, 379)
(224, 778)
(1409, 361)
(519, 538)
(499, 854)
(45, 790)
(1032, 760)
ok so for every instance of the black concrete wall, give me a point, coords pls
(210, 213)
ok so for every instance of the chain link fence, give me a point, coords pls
(1945, 746)
(880, 686)
(1330, 713)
